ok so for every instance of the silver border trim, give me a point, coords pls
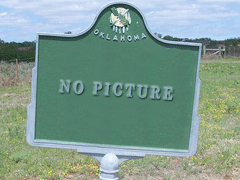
(101, 149)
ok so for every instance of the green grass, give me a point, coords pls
(219, 111)
(218, 146)
(18, 159)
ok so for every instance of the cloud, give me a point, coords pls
(3, 14)
(219, 1)
(172, 16)
(11, 18)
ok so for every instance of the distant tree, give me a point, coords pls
(1, 44)
(227, 42)
(1, 41)
(158, 35)
(204, 41)
(13, 50)
(213, 43)
(234, 42)
(168, 37)
(177, 39)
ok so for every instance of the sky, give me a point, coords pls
(20, 20)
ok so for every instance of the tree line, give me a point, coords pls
(205, 41)
(25, 51)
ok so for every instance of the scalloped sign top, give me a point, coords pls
(115, 88)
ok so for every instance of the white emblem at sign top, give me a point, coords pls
(120, 19)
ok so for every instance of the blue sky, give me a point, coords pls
(20, 20)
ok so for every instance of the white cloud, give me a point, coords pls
(13, 19)
(180, 17)
(3, 14)
(219, 1)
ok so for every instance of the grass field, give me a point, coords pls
(217, 157)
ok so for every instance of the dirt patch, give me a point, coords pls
(175, 171)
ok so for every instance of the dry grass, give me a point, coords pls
(217, 158)
(12, 74)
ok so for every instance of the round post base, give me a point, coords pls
(109, 167)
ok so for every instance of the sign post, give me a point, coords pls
(115, 91)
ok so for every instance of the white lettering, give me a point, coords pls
(122, 38)
(155, 92)
(80, 91)
(143, 36)
(115, 89)
(67, 87)
(107, 89)
(130, 87)
(140, 91)
(96, 31)
(129, 38)
(167, 94)
(107, 37)
(97, 87)
(115, 38)
(78, 87)
(101, 35)
(136, 37)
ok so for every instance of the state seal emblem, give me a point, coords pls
(120, 19)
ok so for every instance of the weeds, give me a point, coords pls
(15, 73)
(218, 146)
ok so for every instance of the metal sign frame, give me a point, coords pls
(104, 149)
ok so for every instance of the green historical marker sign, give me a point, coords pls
(115, 87)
